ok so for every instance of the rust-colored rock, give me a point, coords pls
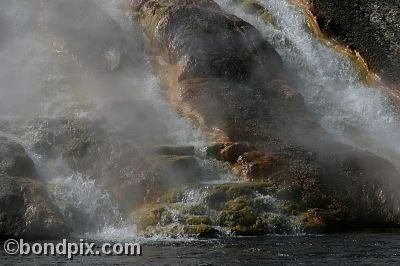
(258, 165)
(231, 152)
(218, 69)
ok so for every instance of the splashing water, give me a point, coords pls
(201, 202)
(84, 205)
(352, 111)
(194, 196)
(52, 85)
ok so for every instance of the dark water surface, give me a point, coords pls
(338, 249)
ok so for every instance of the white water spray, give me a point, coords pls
(39, 80)
(352, 111)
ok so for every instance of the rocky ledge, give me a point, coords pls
(214, 210)
(218, 69)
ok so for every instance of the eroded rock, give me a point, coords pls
(218, 68)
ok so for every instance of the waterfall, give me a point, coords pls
(351, 110)
(110, 80)
(41, 81)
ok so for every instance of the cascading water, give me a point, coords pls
(56, 103)
(51, 86)
(352, 111)
(84, 205)
(200, 203)
(128, 96)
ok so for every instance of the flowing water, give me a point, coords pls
(367, 248)
(333, 89)
(39, 79)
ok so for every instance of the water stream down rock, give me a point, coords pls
(181, 120)
(369, 27)
(218, 67)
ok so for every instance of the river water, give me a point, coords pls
(44, 85)
(366, 248)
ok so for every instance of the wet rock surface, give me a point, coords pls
(123, 160)
(369, 27)
(14, 161)
(223, 75)
(213, 211)
(234, 81)
(25, 210)
(176, 170)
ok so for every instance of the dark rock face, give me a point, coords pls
(12, 203)
(370, 27)
(190, 33)
(25, 210)
(14, 161)
(219, 60)
(229, 77)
